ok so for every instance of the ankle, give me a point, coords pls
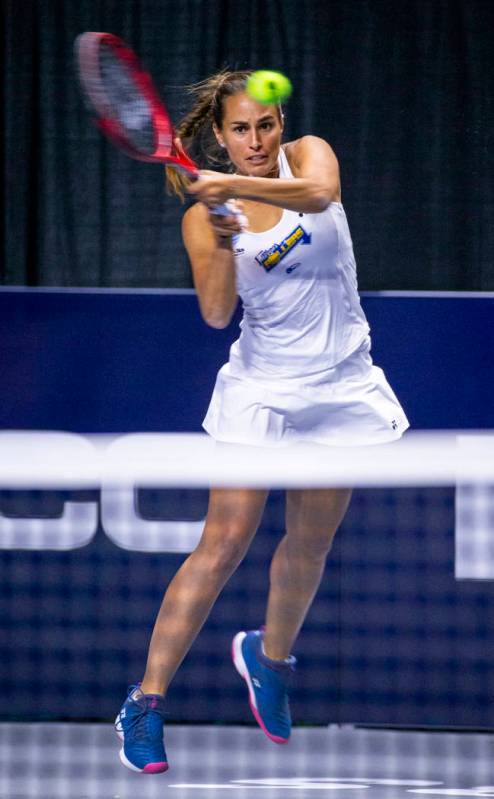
(280, 656)
(150, 687)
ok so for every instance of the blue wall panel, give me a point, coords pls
(118, 361)
(391, 638)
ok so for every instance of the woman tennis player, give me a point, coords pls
(300, 371)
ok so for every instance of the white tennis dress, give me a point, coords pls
(301, 369)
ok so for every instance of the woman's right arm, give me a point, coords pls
(208, 241)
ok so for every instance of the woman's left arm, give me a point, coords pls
(315, 184)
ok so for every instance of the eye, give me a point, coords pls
(239, 128)
(266, 125)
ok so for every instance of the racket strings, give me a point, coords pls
(129, 106)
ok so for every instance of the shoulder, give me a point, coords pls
(195, 221)
(197, 233)
(197, 213)
(308, 147)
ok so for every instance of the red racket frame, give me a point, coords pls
(87, 48)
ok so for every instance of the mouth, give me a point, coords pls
(257, 159)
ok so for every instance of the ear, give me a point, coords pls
(218, 136)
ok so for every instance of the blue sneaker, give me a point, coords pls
(267, 681)
(140, 726)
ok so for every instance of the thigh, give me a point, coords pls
(314, 514)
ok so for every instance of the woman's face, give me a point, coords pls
(251, 133)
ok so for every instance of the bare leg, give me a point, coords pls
(312, 518)
(231, 523)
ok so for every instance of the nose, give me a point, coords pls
(254, 139)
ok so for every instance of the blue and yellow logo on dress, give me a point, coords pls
(270, 258)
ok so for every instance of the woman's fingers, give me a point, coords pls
(212, 188)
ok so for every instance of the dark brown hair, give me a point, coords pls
(196, 131)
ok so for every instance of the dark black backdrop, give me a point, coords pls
(402, 90)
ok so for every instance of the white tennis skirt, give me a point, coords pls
(350, 404)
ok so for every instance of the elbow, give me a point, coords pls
(218, 322)
(321, 200)
(321, 195)
(219, 318)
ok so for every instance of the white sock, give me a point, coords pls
(283, 660)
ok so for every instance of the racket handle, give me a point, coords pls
(228, 209)
(225, 210)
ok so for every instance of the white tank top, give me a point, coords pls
(298, 285)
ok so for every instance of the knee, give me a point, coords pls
(313, 548)
(224, 553)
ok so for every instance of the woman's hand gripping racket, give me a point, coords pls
(127, 107)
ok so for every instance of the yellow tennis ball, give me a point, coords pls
(268, 87)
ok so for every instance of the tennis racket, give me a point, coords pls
(126, 105)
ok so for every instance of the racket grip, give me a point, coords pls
(230, 209)
(225, 210)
